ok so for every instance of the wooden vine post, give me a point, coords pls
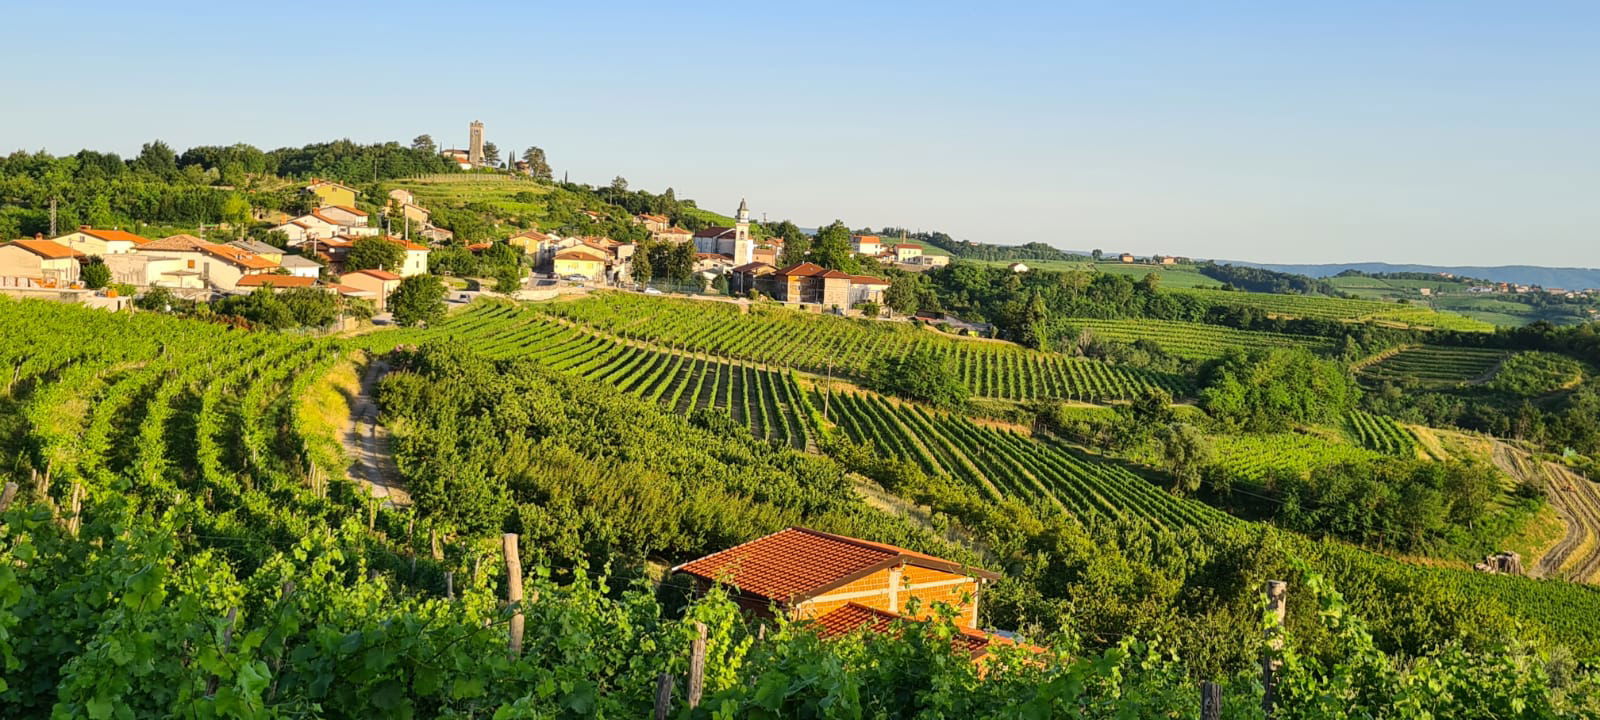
(508, 542)
(1210, 701)
(7, 495)
(77, 510)
(697, 665)
(1277, 592)
(663, 696)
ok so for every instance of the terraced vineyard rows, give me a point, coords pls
(171, 409)
(824, 344)
(766, 401)
(1003, 464)
(1380, 433)
(1252, 457)
(1435, 364)
(1325, 308)
(1195, 341)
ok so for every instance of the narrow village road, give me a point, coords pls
(366, 443)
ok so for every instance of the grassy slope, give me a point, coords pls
(1178, 276)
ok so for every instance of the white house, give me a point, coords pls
(867, 244)
(416, 262)
(219, 266)
(300, 266)
(866, 288)
(905, 253)
(144, 270)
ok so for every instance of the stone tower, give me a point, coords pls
(741, 221)
(743, 247)
(475, 145)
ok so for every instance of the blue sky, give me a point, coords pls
(1442, 132)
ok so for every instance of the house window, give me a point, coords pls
(191, 264)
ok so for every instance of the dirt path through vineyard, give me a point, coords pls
(1576, 499)
(366, 442)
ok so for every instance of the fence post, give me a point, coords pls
(1276, 591)
(697, 665)
(1210, 701)
(508, 543)
(663, 695)
(7, 496)
(77, 509)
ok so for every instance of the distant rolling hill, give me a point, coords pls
(1567, 278)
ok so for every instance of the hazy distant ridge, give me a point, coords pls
(1567, 278)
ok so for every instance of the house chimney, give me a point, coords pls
(83, 227)
(38, 236)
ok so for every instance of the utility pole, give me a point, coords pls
(52, 216)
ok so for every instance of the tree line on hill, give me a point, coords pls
(203, 185)
(1253, 279)
(969, 250)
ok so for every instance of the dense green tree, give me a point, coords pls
(453, 261)
(833, 251)
(539, 167)
(923, 375)
(901, 296)
(1274, 389)
(424, 143)
(641, 267)
(95, 274)
(375, 253)
(1185, 452)
(311, 307)
(507, 279)
(157, 158)
(419, 299)
(491, 154)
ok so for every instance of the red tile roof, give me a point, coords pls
(805, 269)
(868, 280)
(712, 232)
(907, 246)
(350, 210)
(853, 617)
(114, 235)
(278, 281)
(752, 267)
(407, 244)
(242, 258)
(177, 243)
(47, 249)
(575, 255)
(379, 274)
(790, 565)
(318, 215)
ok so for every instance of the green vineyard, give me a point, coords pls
(1252, 458)
(1324, 308)
(1380, 434)
(1194, 341)
(826, 344)
(766, 401)
(1003, 464)
(1435, 365)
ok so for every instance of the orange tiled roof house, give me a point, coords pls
(843, 584)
